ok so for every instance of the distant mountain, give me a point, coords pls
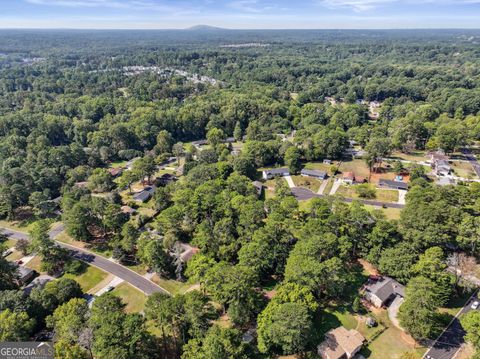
(204, 28)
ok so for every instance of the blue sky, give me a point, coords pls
(256, 14)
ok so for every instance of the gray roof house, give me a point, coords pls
(385, 183)
(275, 172)
(314, 173)
(380, 291)
(24, 275)
(258, 186)
(144, 195)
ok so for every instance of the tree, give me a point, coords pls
(15, 326)
(418, 313)
(471, 324)
(432, 265)
(469, 233)
(144, 168)
(100, 181)
(164, 142)
(397, 261)
(376, 149)
(292, 159)
(215, 136)
(151, 252)
(69, 321)
(178, 150)
(237, 132)
(284, 328)
(366, 190)
(218, 343)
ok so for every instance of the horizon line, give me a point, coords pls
(212, 28)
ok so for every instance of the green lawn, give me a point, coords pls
(320, 166)
(132, 297)
(118, 164)
(22, 226)
(390, 213)
(35, 264)
(88, 279)
(15, 255)
(172, 286)
(415, 156)
(463, 169)
(10, 243)
(358, 167)
(328, 187)
(387, 195)
(308, 182)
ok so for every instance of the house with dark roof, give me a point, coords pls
(115, 172)
(314, 173)
(440, 164)
(385, 183)
(144, 195)
(381, 291)
(165, 179)
(275, 172)
(24, 275)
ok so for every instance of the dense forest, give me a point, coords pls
(74, 102)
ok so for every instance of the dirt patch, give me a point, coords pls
(368, 267)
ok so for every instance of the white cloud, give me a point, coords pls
(356, 5)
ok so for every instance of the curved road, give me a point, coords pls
(303, 194)
(128, 275)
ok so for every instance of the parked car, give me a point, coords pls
(7, 252)
(475, 304)
(109, 289)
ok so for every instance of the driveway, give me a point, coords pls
(118, 270)
(401, 196)
(473, 160)
(290, 182)
(322, 186)
(303, 194)
(336, 184)
(449, 342)
(393, 311)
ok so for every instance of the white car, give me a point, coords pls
(475, 304)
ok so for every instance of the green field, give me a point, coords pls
(308, 182)
(358, 167)
(382, 195)
(172, 286)
(88, 279)
(132, 297)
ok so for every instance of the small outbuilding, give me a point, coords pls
(348, 177)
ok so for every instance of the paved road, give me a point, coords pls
(303, 194)
(450, 341)
(135, 279)
(473, 160)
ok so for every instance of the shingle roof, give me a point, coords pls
(274, 171)
(385, 287)
(314, 173)
(395, 184)
(340, 341)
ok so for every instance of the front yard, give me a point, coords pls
(308, 182)
(89, 279)
(132, 297)
(382, 195)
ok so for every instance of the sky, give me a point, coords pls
(240, 14)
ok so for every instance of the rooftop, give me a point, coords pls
(390, 183)
(314, 173)
(340, 341)
(277, 170)
(384, 287)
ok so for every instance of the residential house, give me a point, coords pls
(444, 181)
(198, 144)
(341, 343)
(276, 172)
(165, 179)
(115, 172)
(187, 251)
(314, 173)
(127, 210)
(144, 195)
(439, 163)
(327, 162)
(258, 186)
(385, 183)
(24, 275)
(348, 177)
(380, 291)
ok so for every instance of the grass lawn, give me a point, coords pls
(15, 255)
(328, 187)
(390, 213)
(88, 279)
(415, 156)
(308, 182)
(139, 268)
(172, 286)
(65, 238)
(118, 164)
(358, 167)
(387, 195)
(10, 243)
(463, 169)
(382, 195)
(35, 264)
(320, 166)
(132, 297)
(392, 343)
(16, 225)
